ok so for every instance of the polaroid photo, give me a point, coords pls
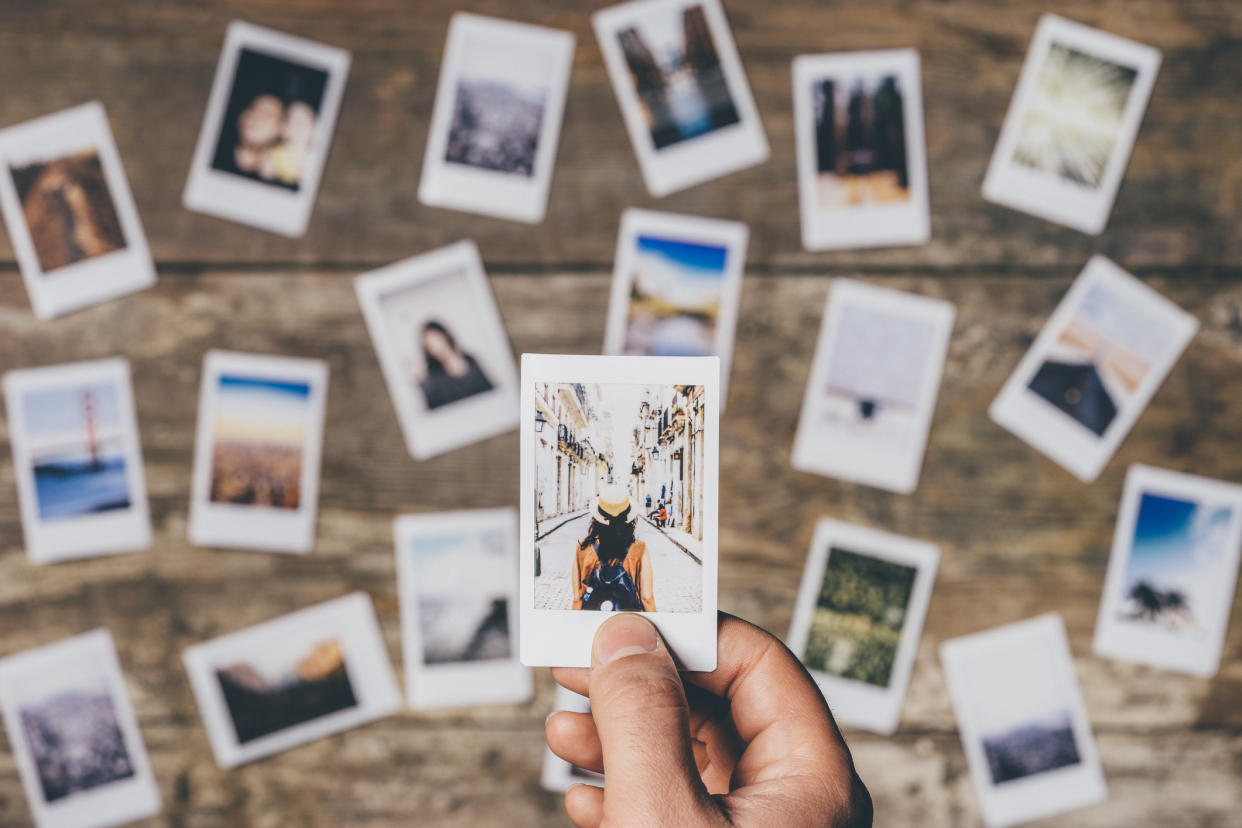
(872, 390)
(675, 287)
(70, 213)
(858, 619)
(457, 581)
(1093, 368)
(862, 161)
(1071, 124)
(80, 481)
(1023, 723)
(559, 776)
(619, 470)
(442, 348)
(267, 130)
(255, 483)
(1172, 572)
(497, 118)
(74, 735)
(682, 90)
(292, 680)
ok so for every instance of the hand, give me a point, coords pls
(750, 744)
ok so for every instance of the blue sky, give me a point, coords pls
(275, 387)
(1176, 542)
(692, 259)
(60, 411)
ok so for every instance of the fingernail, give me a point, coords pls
(624, 635)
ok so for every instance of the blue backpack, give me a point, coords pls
(610, 587)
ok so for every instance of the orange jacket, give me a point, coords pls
(636, 564)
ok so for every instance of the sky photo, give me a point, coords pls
(684, 274)
(261, 411)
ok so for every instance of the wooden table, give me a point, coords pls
(1019, 535)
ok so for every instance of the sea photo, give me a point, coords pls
(1172, 573)
(292, 679)
(74, 736)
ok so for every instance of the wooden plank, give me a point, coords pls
(1019, 537)
(151, 64)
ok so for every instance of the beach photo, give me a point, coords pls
(1074, 115)
(68, 208)
(257, 435)
(675, 297)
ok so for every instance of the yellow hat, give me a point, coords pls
(613, 501)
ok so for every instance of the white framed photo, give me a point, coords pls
(676, 283)
(497, 118)
(80, 482)
(457, 583)
(71, 216)
(1022, 720)
(871, 394)
(1071, 124)
(267, 130)
(292, 680)
(74, 735)
(619, 475)
(257, 450)
(442, 348)
(558, 776)
(1172, 572)
(859, 617)
(1093, 368)
(862, 158)
(683, 93)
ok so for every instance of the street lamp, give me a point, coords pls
(540, 421)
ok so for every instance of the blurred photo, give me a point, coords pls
(270, 120)
(257, 438)
(68, 209)
(1075, 115)
(860, 140)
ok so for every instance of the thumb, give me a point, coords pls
(640, 712)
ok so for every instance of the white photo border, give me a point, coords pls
(699, 159)
(1040, 795)
(563, 638)
(461, 684)
(878, 225)
(853, 702)
(91, 280)
(557, 775)
(731, 235)
(1046, 428)
(83, 535)
(117, 802)
(1043, 194)
(254, 203)
(366, 661)
(817, 450)
(479, 417)
(1152, 646)
(488, 192)
(241, 526)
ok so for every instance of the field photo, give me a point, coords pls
(1074, 116)
(676, 70)
(286, 685)
(498, 107)
(858, 617)
(463, 582)
(879, 364)
(619, 493)
(860, 141)
(1100, 358)
(675, 297)
(1179, 553)
(258, 433)
(268, 130)
(77, 445)
(68, 209)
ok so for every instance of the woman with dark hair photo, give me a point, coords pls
(452, 374)
(611, 568)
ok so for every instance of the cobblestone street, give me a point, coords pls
(678, 579)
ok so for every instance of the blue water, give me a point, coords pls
(68, 489)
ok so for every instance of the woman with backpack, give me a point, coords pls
(611, 569)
